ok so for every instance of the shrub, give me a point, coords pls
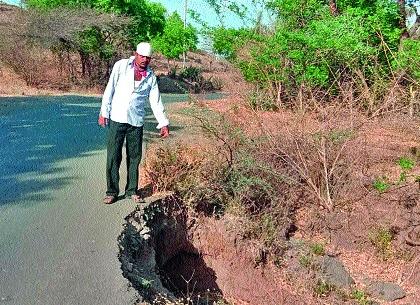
(259, 100)
(381, 238)
(318, 249)
(192, 74)
(28, 62)
(381, 184)
(312, 53)
(224, 175)
(305, 261)
(195, 176)
(216, 83)
(406, 60)
(195, 76)
(322, 288)
(263, 179)
(406, 164)
(74, 39)
(360, 297)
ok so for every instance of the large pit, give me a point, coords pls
(170, 256)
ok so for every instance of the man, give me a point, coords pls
(130, 85)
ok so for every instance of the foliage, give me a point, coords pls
(60, 31)
(175, 39)
(407, 58)
(191, 73)
(318, 249)
(361, 297)
(322, 288)
(305, 260)
(226, 42)
(147, 18)
(381, 184)
(312, 51)
(97, 43)
(406, 176)
(406, 163)
(381, 238)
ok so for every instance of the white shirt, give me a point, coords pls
(124, 102)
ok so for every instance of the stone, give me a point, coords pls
(144, 231)
(385, 291)
(129, 267)
(7, 298)
(334, 273)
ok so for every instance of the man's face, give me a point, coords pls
(142, 61)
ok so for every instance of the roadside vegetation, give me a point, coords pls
(321, 145)
(318, 141)
(75, 43)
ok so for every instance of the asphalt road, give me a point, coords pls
(58, 242)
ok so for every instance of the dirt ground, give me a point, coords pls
(347, 231)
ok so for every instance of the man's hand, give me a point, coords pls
(164, 132)
(103, 121)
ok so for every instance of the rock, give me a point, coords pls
(144, 231)
(334, 273)
(7, 298)
(385, 291)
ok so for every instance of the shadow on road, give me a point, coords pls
(36, 132)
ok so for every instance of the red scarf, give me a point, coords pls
(138, 74)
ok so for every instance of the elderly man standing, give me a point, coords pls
(131, 84)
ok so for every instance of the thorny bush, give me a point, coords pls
(312, 54)
(266, 179)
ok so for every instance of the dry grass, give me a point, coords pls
(358, 149)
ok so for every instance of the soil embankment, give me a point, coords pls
(170, 255)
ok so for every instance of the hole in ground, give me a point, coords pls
(160, 260)
(187, 273)
(160, 252)
(182, 269)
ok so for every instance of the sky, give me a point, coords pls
(206, 12)
(200, 6)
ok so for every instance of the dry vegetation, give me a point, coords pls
(332, 176)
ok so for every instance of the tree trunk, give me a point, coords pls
(83, 60)
(412, 102)
(169, 67)
(333, 8)
(60, 55)
(279, 91)
(403, 19)
(72, 75)
(415, 28)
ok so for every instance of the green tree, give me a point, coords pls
(147, 18)
(226, 42)
(319, 46)
(175, 39)
(102, 43)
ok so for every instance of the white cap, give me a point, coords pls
(144, 48)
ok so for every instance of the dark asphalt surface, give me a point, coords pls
(58, 243)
